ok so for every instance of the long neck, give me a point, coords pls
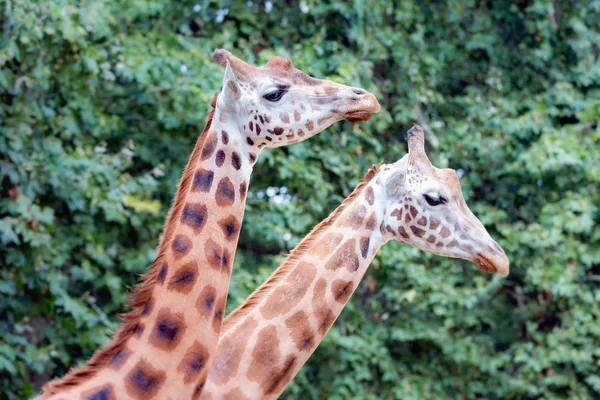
(268, 339)
(164, 347)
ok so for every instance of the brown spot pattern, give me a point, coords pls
(327, 245)
(422, 221)
(209, 147)
(370, 196)
(168, 330)
(206, 301)
(144, 381)
(230, 351)
(417, 231)
(104, 392)
(220, 158)
(355, 218)
(184, 278)
(445, 232)
(194, 360)
(181, 245)
(290, 291)
(119, 359)
(322, 311)
(345, 256)
(236, 161)
(203, 180)
(371, 222)
(342, 290)
(225, 195)
(194, 215)
(364, 246)
(300, 331)
(230, 227)
(243, 190)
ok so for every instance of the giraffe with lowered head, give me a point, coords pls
(265, 342)
(164, 346)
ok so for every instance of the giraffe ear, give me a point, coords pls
(231, 92)
(395, 182)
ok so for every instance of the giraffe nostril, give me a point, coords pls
(358, 91)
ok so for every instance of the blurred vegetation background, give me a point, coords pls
(102, 101)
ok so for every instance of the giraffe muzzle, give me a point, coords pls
(492, 263)
(362, 105)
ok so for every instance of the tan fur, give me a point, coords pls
(143, 291)
(295, 256)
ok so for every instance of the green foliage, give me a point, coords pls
(101, 102)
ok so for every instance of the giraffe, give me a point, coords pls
(164, 346)
(265, 342)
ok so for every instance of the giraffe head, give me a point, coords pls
(277, 104)
(426, 208)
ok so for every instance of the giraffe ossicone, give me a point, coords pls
(165, 345)
(265, 342)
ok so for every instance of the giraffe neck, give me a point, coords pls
(165, 345)
(269, 338)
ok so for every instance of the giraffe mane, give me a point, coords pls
(295, 256)
(143, 291)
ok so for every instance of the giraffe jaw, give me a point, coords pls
(491, 263)
(358, 116)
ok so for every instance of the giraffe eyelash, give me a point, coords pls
(434, 201)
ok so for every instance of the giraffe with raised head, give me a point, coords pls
(164, 346)
(265, 342)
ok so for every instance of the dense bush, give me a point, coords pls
(101, 102)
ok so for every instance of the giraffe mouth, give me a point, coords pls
(358, 116)
(491, 263)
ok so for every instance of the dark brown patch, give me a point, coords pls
(104, 392)
(434, 223)
(417, 231)
(252, 158)
(194, 215)
(219, 313)
(422, 221)
(214, 254)
(203, 179)
(184, 278)
(323, 313)
(249, 141)
(230, 351)
(407, 218)
(162, 274)
(226, 261)
(282, 376)
(243, 190)
(431, 239)
(198, 390)
(325, 246)
(258, 130)
(354, 218)
(206, 301)
(364, 246)
(220, 158)
(209, 146)
(235, 394)
(225, 195)
(251, 125)
(300, 331)
(445, 232)
(225, 137)
(194, 360)
(453, 243)
(236, 161)
(265, 357)
(230, 227)
(181, 245)
(413, 211)
(342, 290)
(310, 126)
(403, 232)
(370, 196)
(148, 307)
(277, 131)
(144, 381)
(168, 330)
(345, 256)
(119, 359)
(371, 222)
(300, 132)
(289, 292)
(397, 213)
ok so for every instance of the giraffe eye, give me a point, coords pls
(434, 201)
(275, 95)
